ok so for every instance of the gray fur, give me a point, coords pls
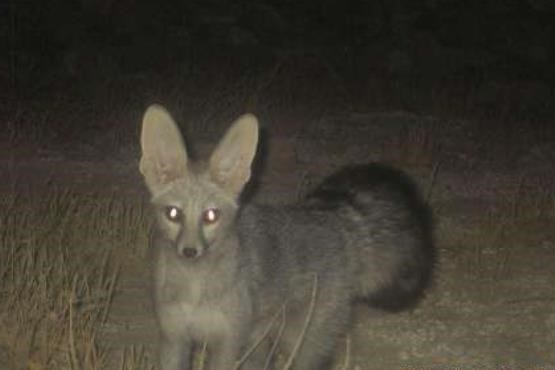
(363, 234)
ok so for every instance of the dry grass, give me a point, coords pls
(135, 358)
(58, 277)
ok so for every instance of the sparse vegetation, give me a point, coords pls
(58, 273)
(490, 251)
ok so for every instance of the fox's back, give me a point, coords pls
(289, 247)
(364, 229)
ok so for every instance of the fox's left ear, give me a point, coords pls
(230, 163)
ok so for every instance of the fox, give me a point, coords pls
(262, 283)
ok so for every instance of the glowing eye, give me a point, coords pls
(174, 214)
(210, 216)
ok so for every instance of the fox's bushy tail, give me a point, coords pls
(389, 232)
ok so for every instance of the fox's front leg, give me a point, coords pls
(175, 353)
(224, 354)
(227, 354)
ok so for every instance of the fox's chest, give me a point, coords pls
(199, 322)
(183, 308)
(176, 283)
(195, 304)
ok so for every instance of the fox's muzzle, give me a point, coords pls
(192, 244)
(188, 252)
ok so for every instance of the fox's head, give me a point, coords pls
(195, 203)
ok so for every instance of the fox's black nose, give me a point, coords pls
(190, 252)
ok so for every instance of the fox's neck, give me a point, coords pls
(222, 261)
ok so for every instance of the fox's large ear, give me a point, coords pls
(230, 164)
(164, 157)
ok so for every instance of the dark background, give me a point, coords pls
(292, 60)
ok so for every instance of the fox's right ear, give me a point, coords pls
(164, 156)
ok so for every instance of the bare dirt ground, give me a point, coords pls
(492, 303)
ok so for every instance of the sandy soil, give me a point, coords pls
(492, 304)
